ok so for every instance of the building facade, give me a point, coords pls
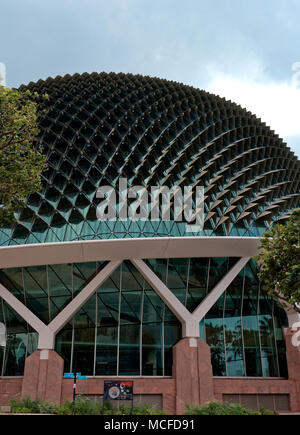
(182, 313)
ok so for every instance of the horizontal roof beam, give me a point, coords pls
(126, 249)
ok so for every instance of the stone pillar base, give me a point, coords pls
(192, 371)
(43, 376)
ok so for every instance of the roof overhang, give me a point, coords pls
(122, 249)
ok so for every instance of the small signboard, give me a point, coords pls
(69, 375)
(118, 390)
(72, 376)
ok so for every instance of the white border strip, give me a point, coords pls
(127, 249)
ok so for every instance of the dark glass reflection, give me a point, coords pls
(16, 343)
(233, 328)
(63, 345)
(129, 350)
(152, 351)
(245, 332)
(197, 282)
(84, 338)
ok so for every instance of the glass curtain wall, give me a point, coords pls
(125, 329)
(19, 342)
(244, 329)
(45, 290)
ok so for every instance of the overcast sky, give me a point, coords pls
(239, 49)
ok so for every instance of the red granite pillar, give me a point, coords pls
(292, 340)
(192, 371)
(43, 376)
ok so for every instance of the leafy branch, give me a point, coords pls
(279, 261)
(21, 158)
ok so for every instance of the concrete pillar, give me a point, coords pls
(192, 371)
(43, 376)
(292, 340)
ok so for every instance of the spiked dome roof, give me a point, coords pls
(99, 127)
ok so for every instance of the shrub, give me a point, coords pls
(22, 411)
(142, 409)
(33, 406)
(215, 408)
(64, 409)
(82, 406)
(147, 409)
(108, 408)
(85, 407)
(48, 408)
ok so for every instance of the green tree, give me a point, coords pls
(279, 261)
(21, 163)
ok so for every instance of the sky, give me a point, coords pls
(245, 51)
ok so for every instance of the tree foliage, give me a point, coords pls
(279, 260)
(21, 163)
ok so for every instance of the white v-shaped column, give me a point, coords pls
(190, 321)
(47, 332)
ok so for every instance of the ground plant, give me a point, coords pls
(81, 406)
(215, 408)
(85, 406)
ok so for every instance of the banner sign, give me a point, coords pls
(114, 390)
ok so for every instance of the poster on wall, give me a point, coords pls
(118, 390)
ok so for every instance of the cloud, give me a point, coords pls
(277, 103)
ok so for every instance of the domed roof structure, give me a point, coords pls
(143, 302)
(98, 128)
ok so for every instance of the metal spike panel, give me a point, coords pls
(96, 128)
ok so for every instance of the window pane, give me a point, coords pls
(280, 319)
(177, 277)
(152, 361)
(63, 346)
(36, 290)
(131, 278)
(218, 268)
(16, 343)
(83, 273)
(252, 347)
(129, 353)
(233, 327)
(131, 306)
(153, 307)
(268, 346)
(107, 350)
(159, 267)
(60, 287)
(12, 279)
(250, 322)
(215, 337)
(198, 276)
(172, 333)
(15, 354)
(84, 338)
